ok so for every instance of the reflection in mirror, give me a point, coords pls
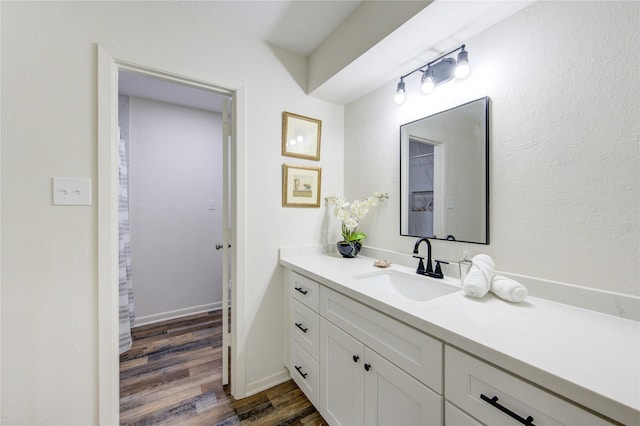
(444, 174)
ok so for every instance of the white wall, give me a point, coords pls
(49, 128)
(564, 161)
(175, 167)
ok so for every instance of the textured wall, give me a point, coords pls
(565, 94)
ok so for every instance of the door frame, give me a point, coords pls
(110, 61)
(439, 181)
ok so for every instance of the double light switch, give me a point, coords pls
(71, 191)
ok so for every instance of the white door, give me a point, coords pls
(226, 236)
(394, 398)
(341, 376)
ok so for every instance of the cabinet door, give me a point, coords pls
(392, 397)
(341, 376)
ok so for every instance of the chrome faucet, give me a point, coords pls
(429, 269)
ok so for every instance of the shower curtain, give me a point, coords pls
(124, 259)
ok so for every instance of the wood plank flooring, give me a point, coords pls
(172, 376)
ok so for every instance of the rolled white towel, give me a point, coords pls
(475, 284)
(508, 289)
(486, 264)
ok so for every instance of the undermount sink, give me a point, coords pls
(414, 287)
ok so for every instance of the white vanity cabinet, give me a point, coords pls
(360, 387)
(357, 365)
(495, 397)
(472, 368)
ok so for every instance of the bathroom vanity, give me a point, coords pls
(385, 346)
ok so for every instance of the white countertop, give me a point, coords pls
(585, 356)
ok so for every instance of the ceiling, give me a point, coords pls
(301, 26)
(295, 25)
(308, 23)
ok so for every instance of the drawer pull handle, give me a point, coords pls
(367, 366)
(299, 325)
(301, 290)
(494, 401)
(356, 358)
(304, 375)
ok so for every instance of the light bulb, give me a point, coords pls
(462, 69)
(427, 85)
(400, 97)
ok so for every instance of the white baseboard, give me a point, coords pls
(268, 382)
(178, 313)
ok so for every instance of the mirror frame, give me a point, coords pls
(486, 174)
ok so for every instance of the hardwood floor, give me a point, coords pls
(172, 376)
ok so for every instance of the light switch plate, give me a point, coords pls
(71, 191)
(211, 204)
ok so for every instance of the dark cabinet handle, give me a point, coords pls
(367, 366)
(301, 290)
(494, 401)
(356, 358)
(299, 325)
(304, 375)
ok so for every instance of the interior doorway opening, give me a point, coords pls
(109, 66)
(173, 202)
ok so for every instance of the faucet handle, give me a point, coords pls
(420, 269)
(438, 272)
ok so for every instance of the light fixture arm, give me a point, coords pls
(423, 67)
(436, 72)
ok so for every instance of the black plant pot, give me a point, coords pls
(349, 249)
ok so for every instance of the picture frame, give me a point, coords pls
(301, 136)
(301, 186)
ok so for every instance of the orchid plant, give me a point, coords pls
(350, 214)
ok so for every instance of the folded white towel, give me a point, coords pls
(486, 264)
(508, 289)
(475, 284)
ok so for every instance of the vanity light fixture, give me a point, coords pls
(436, 72)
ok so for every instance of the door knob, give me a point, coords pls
(219, 246)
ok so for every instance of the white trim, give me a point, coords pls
(0, 251)
(238, 263)
(108, 359)
(108, 365)
(177, 313)
(268, 382)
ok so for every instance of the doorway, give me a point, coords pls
(108, 68)
(172, 137)
(174, 204)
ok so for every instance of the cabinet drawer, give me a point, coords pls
(304, 290)
(453, 416)
(305, 372)
(414, 352)
(304, 326)
(472, 384)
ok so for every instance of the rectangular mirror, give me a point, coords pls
(444, 174)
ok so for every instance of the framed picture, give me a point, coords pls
(301, 186)
(301, 136)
